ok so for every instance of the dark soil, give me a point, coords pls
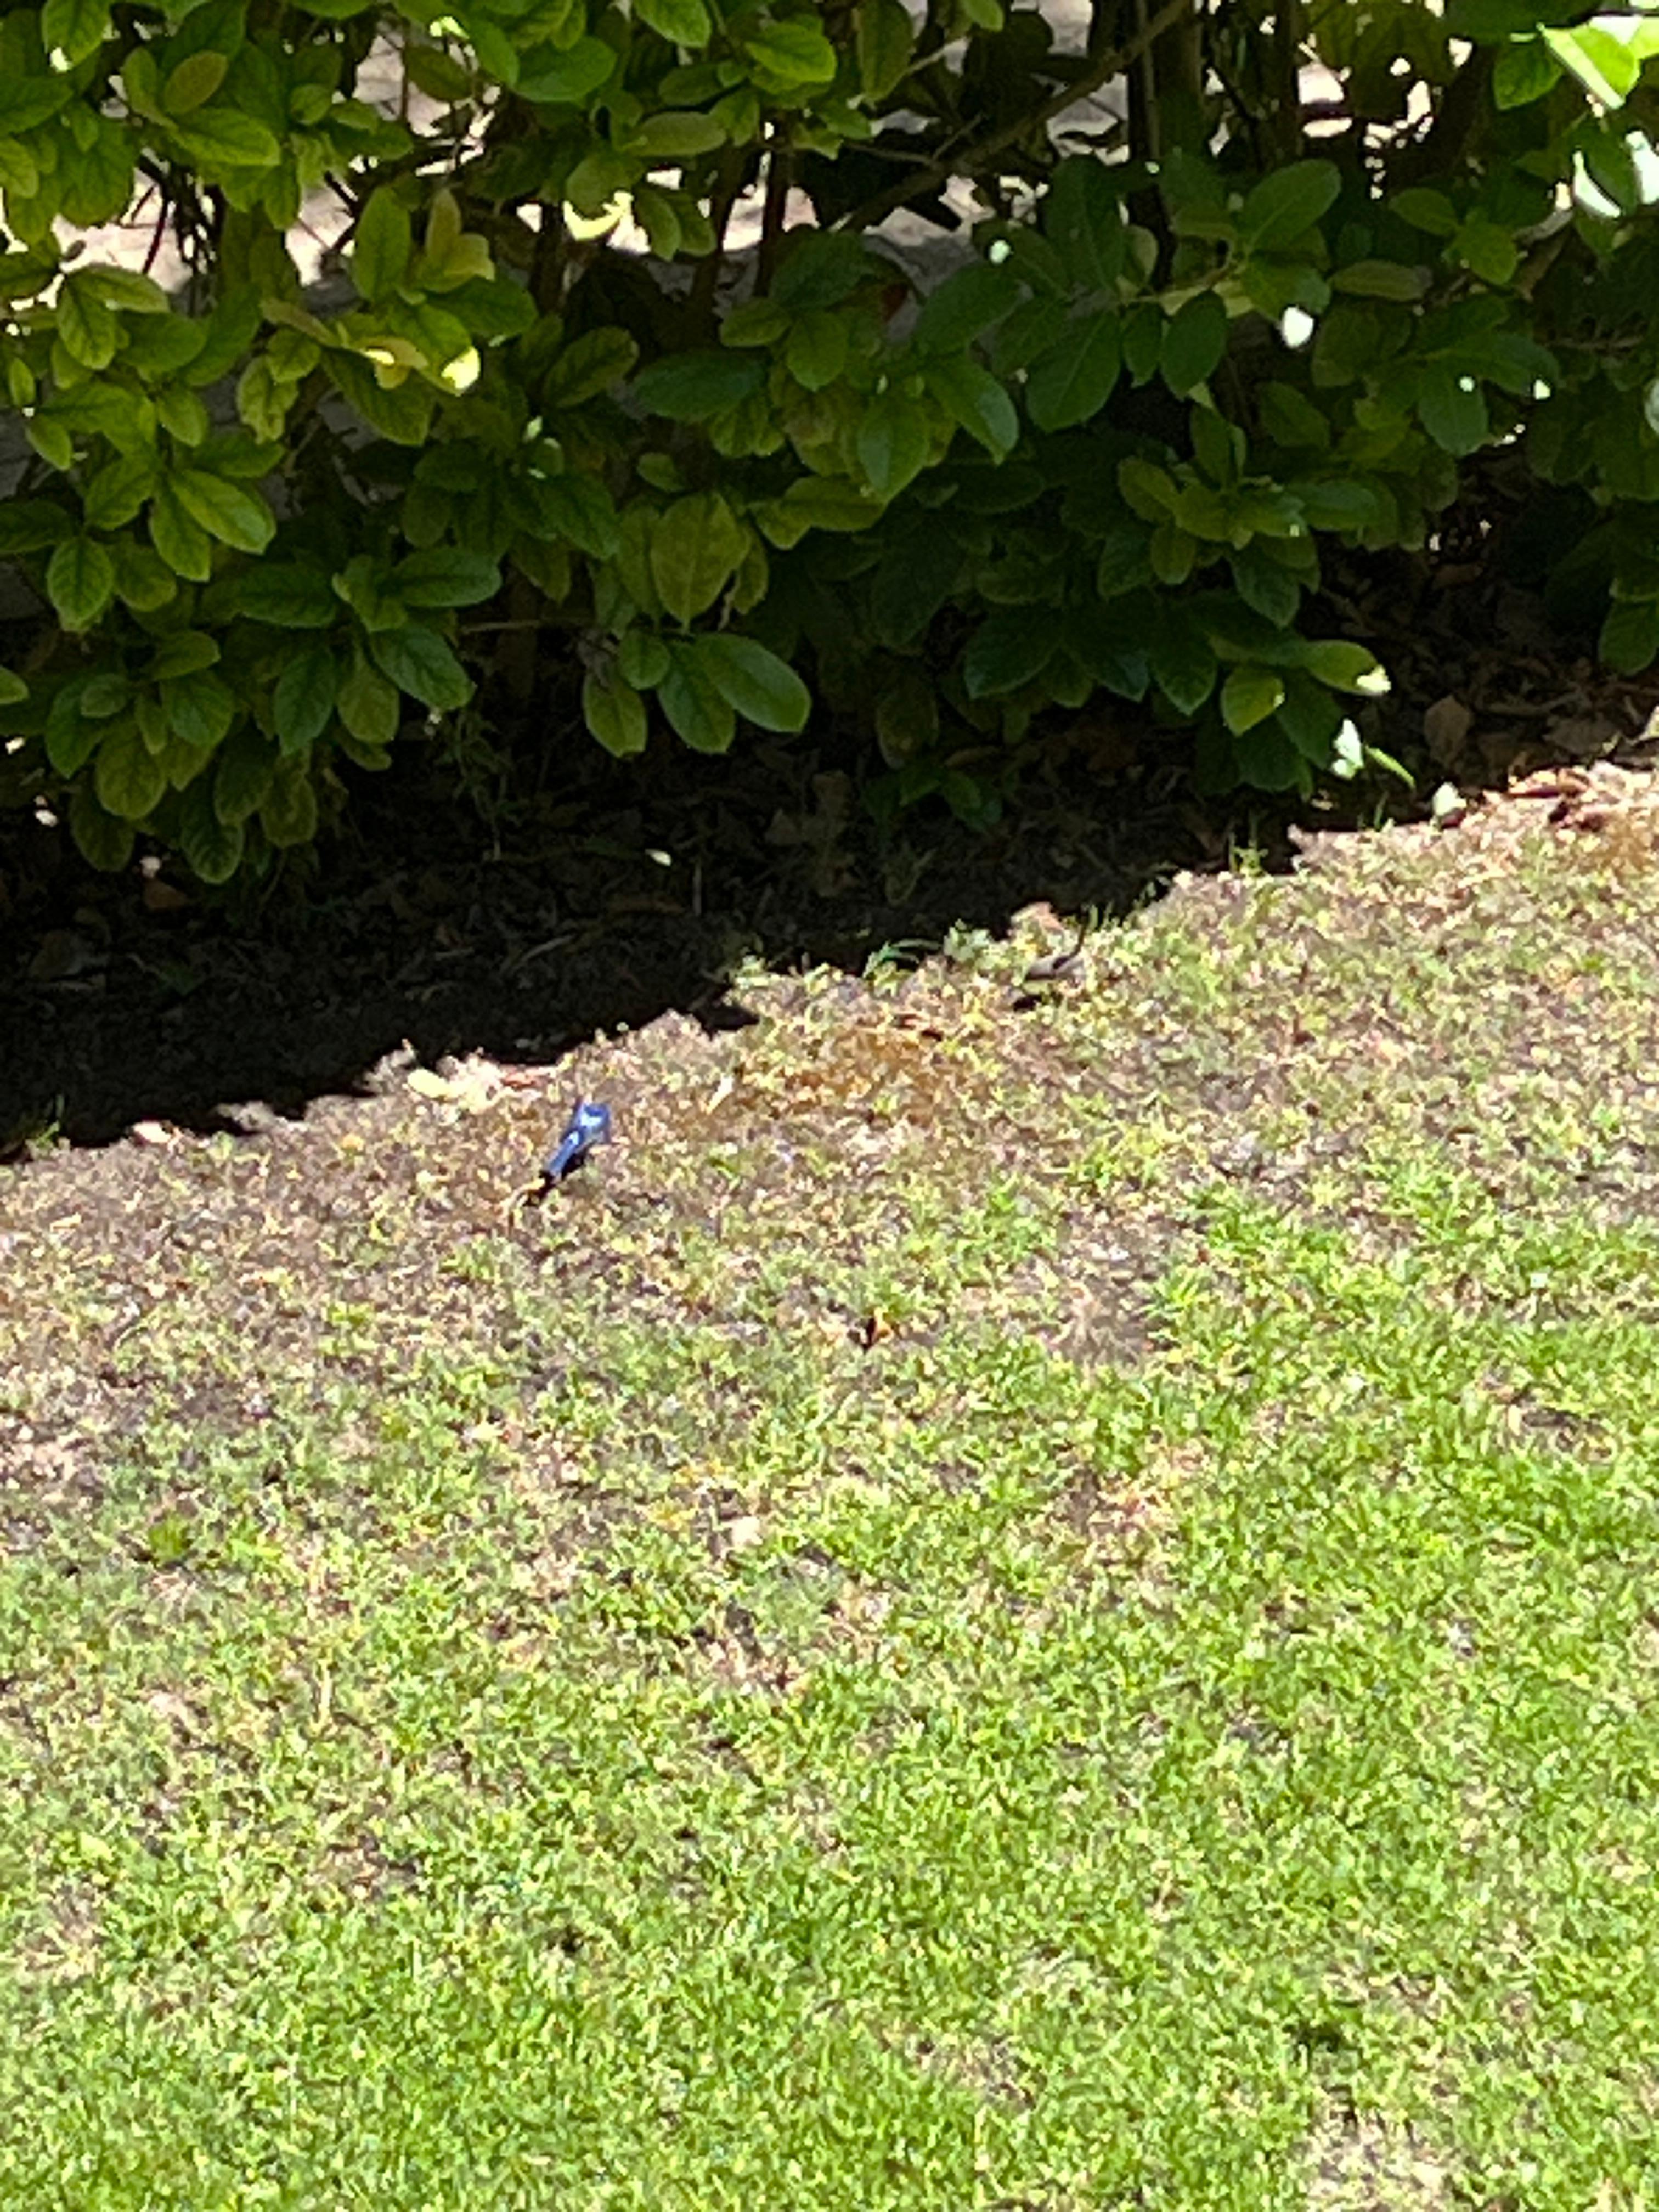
(423, 920)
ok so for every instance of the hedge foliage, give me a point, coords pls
(1182, 353)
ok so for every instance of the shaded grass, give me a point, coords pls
(1046, 1609)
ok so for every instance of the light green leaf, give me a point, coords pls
(119, 490)
(1602, 63)
(791, 53)
(763, 689)
(235, 516)
(90, 332)
(615, 714)
(74, 29)
(1344, 665)
(1249, 697)
(696, 546)
(226, 139)
(81, 583)
(384, 242)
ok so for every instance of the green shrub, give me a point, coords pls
(1178, 359)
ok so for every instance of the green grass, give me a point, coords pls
(1003, 1610)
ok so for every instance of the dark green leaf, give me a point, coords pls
(973, 400)
(615, 714)
(287, 595)
(200, 708)
(129, 781)
(972, 302)
(691, 387)
(421, 662)
(1194, 340)
(81, 583)
(446, 576)
(242, 776)
(1072, 383)
(368, 705)
(1453, 409)
(1083, 220)
(764, 690)
(588, 366)
(30, 525)
(288, 813)
(894, 442)
(701, 715)
(1010, 651)
(303, 702)
(212, 847)
(555, 76)
(1285, 203)
(1183, 664)
(105, 843)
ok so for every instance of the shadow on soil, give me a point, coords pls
(516, 926)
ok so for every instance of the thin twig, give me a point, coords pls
(967, 159)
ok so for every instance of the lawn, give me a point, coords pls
(1027, 1597)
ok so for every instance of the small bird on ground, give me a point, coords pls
(589, 1125)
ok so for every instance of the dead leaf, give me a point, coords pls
(1446, 726)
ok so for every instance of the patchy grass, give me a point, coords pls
(1013, 1605)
